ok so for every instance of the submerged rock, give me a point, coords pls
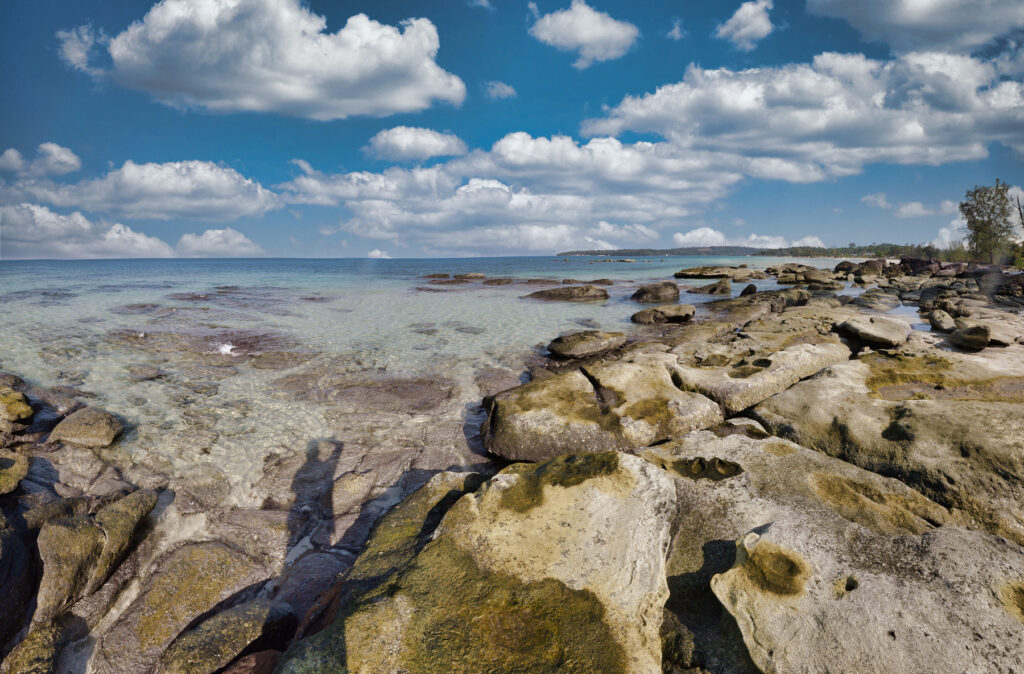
(556, 568)
(587, 293)
(89, 427)
(611, 405)
(586, 343)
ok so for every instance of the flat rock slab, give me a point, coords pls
(586, 343)
(737, 387)
(587, 293)
(88, 427)
(946, 423)
(612, 405)
(836, 569)
(876, 330)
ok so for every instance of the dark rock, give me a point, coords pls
(586, 343)
(748, 290)
(36, 654)
(664, 291)
(974, 337)
(671, 313)
(17, 581)
(723, 287)
(587, 293)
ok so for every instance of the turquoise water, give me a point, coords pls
(82, 324)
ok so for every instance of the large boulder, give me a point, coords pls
(612, 405)
(183, 584)
(586, 343)
(723, 287)
(880, 331)
(945, 423)
(737, 386)
(89, 427)
(663, 291)
(669, 313)
(941, 321)
(37, 653)
(557, 567)
(586, 293)
(836, 569)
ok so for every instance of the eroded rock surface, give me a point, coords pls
(585, 344)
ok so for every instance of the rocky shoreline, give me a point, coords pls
(787, 480)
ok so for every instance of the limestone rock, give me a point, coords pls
(663, 291)
(586, 293)
(741, 273)
(878, 331)
(70, 549)
(723, 287)
(89, 427)
(556, 567)
(184, 584)
(946, 423)
(218, 640)
(612, 405)
(941, 321)
(972, 337)
(670, 313)
(119, 520)
(586, 343)
(13, 469)
(837, 569)
(737, 387)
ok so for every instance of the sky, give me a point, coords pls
(292, 128)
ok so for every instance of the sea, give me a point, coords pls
(170, 346)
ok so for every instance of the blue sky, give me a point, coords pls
(489, 127)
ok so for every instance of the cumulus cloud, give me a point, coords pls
(272, 56)
(908, 209)
(706, 236)
(34, 231)
(378, 254)
(908, 25)
(677, 32)
(828, 118)
(51, 159)
(951, 235)
(595, 35)
(225, 242)
(496, 90)
(878, 200)
(408, 142)
(77, 45)
(188, 189)
(748, 26)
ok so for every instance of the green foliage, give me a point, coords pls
(987, 212)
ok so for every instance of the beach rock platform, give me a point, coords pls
(791, 480)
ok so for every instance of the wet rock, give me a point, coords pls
(219, 640)
(436, 276)
(878, 331)
(310, 577)
(972, 337)
(941, 321)
(279, 360)
(878, 300)
(119, 522)
(263, 662)
(663, 291)
(389, 395)
(17, 581)
(738, 386)
(89, 427)
(266, 535)
(144, 372)
(586, 343)
(671, 313)
(615, 404)
(70, 550)
(557, 567)
(15, 410)
(723, 287)
(750, 289)
(827, 550)
(13, 468)
(184, 584)
(587, 293)
(499, 281)
(946, 423)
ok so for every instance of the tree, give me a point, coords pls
(987, 212)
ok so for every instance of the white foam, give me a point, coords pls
(226, 349)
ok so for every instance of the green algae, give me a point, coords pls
(776, 570)
(900, 377)
(563, 471)
(713, 469)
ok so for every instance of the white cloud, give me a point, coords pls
(952, 235)
(809, 122)
(485, 4)
(378, 254)
(225, 242)
(595, 35)
(408, 142)
(677, 32)
(913, 209)
(273, 56)
(188, 189)
(76, 47)
(878, 200)
(34, 231)
(706, 236)
(748, 26)
(907, 25)
(51, 159)
(635, 232)
(496, 90)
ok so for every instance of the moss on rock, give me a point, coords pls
(562, 471)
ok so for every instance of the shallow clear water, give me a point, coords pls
(83, 323)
